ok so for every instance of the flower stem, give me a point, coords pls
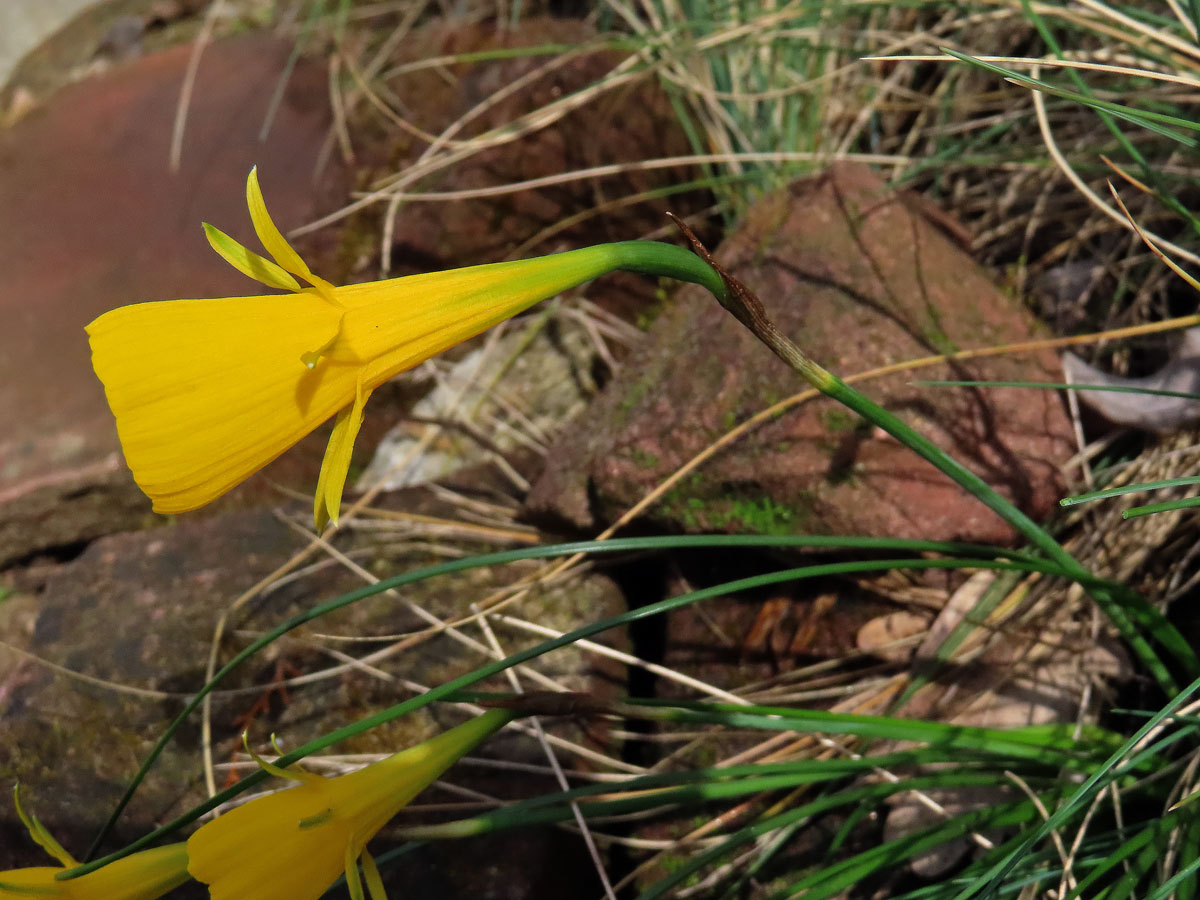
(1136, 619)
(666, 261)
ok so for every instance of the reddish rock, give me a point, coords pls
(137, 610)
(859, 277)
(93, 218)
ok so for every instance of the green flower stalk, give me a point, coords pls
(1144, 627)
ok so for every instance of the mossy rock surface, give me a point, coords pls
(137, 611)
(859, 277)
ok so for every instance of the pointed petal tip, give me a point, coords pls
(323, 516)
(248, 262)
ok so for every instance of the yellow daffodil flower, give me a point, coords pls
(207, 392)
(139, 876)
(292, 845)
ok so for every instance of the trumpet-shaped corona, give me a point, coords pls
(207, 392)
(292, 845)
(139, 876)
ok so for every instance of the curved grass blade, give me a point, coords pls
(1129, 489)
(1139, 855)
(839, 876)
(1151, 121)
(614, 545)
(1140, 624)
(990, 882)
(1167, 506)
(1046, 744)
(448, 688)
(1148, 172)
(1062, 386)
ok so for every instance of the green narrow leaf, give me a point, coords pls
(1151, 121)
(848, 871)
(450, 687)
(1129, 489)
(990, 881)
(1061, 386)
(832, 879)
(1140, 854)
(1140, 624)
(1135, 511)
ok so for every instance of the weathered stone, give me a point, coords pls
(138, 610)
(859, 278)
(56, 513)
